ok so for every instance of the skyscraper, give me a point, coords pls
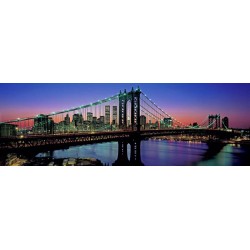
(90, 116)
(102, 119)
(43, 124)
(168, 122)
(143, 121)
(76, 119)
(107, 114)
(67, 120)
(114, 119)
(8, 129)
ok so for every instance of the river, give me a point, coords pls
(162, 153)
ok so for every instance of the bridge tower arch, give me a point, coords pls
(134, 97)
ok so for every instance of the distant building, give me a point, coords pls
(89, 116)
(195, 124)
(225, 123)
(168, 122)
(102, 119)
(143, 121)
(114, 119)
(43, 124)
(107, 114)
(76, 119)
(67, 120)
(8, 129)
(94, 119)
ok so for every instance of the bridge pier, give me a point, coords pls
(122, 159)
(135, 153)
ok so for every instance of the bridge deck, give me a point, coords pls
(38, 141)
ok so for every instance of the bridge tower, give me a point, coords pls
(134, 97)
(122, 159)
(214, 121)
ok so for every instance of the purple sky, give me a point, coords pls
(187, 102)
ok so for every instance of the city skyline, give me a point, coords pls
(188, 103)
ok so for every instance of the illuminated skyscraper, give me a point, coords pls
(90, 116)
(67, 120)
(143, 121)
(76, 119)
(43, 124)
(107, 114)
(168, 122)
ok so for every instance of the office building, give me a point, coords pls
(107, 114)
(8, 129)
(67, 120)
(94, 119)
(43, 124)
(76, 119)
(114, 119)
(102, 119)
(89, 116)
(168, 122)
(143, 121)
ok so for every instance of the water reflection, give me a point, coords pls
(157, 153)
(135, 153)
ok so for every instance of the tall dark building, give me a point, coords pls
(114, 119)
(67, 120)
(94, 119)
(225, 123)
(107, 114)
(8, 129)
(143, 121)
(89, 116)
(76, 119)
(102, 119)
(168, 122)
(43, 124)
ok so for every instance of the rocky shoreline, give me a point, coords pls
(19, 160)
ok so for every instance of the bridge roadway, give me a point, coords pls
(67, 139)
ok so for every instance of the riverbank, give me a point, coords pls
(20, 160)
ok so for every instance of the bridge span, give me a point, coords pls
(62, 140)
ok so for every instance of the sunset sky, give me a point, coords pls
(187, 102)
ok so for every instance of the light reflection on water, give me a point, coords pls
(162, 153)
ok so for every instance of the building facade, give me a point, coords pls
(143, 121)
(43, 124)
(107, 115)
(89, 116)
(168, 122)
(115, 117)
(8, 129)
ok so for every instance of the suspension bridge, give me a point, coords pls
(125, 115)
